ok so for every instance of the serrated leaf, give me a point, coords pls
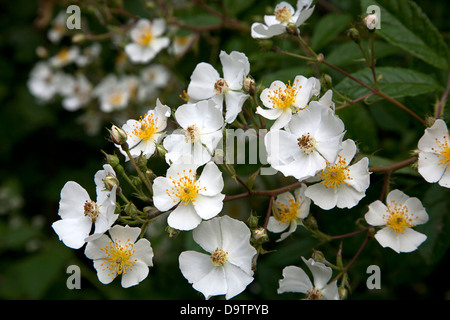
(328, 28)
(405, 25)
(396, 82)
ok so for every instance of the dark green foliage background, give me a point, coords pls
(42, 147)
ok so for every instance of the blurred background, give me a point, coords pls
(42, 146)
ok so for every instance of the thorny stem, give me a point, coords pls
(269, 212)
(267, 193)
(141, 175)
(394, 166)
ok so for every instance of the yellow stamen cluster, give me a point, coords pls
(115, 98)
(145, 37)
(91, 210)
(219, 257)
(283, 14)
(443, 151)
(398, 217)
(146, 127)
(63, 55)
(186, 188)
(283, 98)
(184, 96)
(119, 257)
(287, 212)
(334, 176)
(306, 143)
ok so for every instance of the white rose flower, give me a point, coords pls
(227, 269)
(206, 83)
(312, 137)
(147, 40)
(194, 198)
(400, 214)
(201, 130)
(78, 213)
(341, 184)
(282, 100)
(144, 134)
(284, 15)
(296, 280)
(434, 154)
(121, 255)
(291, 212)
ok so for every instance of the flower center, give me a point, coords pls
(283, 98)
(63, 55)
(186, 188)
(444, 152)
(91, 210)
(283, 14)
(334, 176)
(145, 128)
(398, 217)
(219, 257)
(115, 98)
(192, 134)
(306, 143)
(314, 294)
(221, 86)
(145, 37)
(287, 212)
(118, 258)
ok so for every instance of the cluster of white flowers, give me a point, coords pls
(305, 141)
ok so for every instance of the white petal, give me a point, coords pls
(211, 179)
(93, 248)
(359, 174)
(161, 199)
(261, 31)
(321, 273)
(398, 196)
(325, 198)
(138, 273)
(282, 120)
(331, 292)
(234, 101)
(374, 216)
(277, 226)
(124, 234)
(184, 217)
(206, 278)
(73, 197)
(445, 180)
(428, 141)
(235, 68)
(270, 114)
(143, 251)
(294, 280)
(72, 232)
(348, 197)
(209, 235)
(409, 241)
(417, 210)
(202, 82)
(208, 207)
(429, 167)
(104, 275)
(237, 280)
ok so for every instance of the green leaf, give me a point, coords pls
(396, 82)
(405, 25)
(328, 28)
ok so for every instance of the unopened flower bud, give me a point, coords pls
(173, 233)
(161, 150)
(371, 21)
(311, 223)
(253, 221)
(141, 162)
(260, 235)
(249, 86)
(130, 209)
(118, 135)
(79, 37)
(136, 181)
(292, 28)
(326, 81)
(353, 34)
(343, 293)
(112, 160)
(318, 256)
(110, 181)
